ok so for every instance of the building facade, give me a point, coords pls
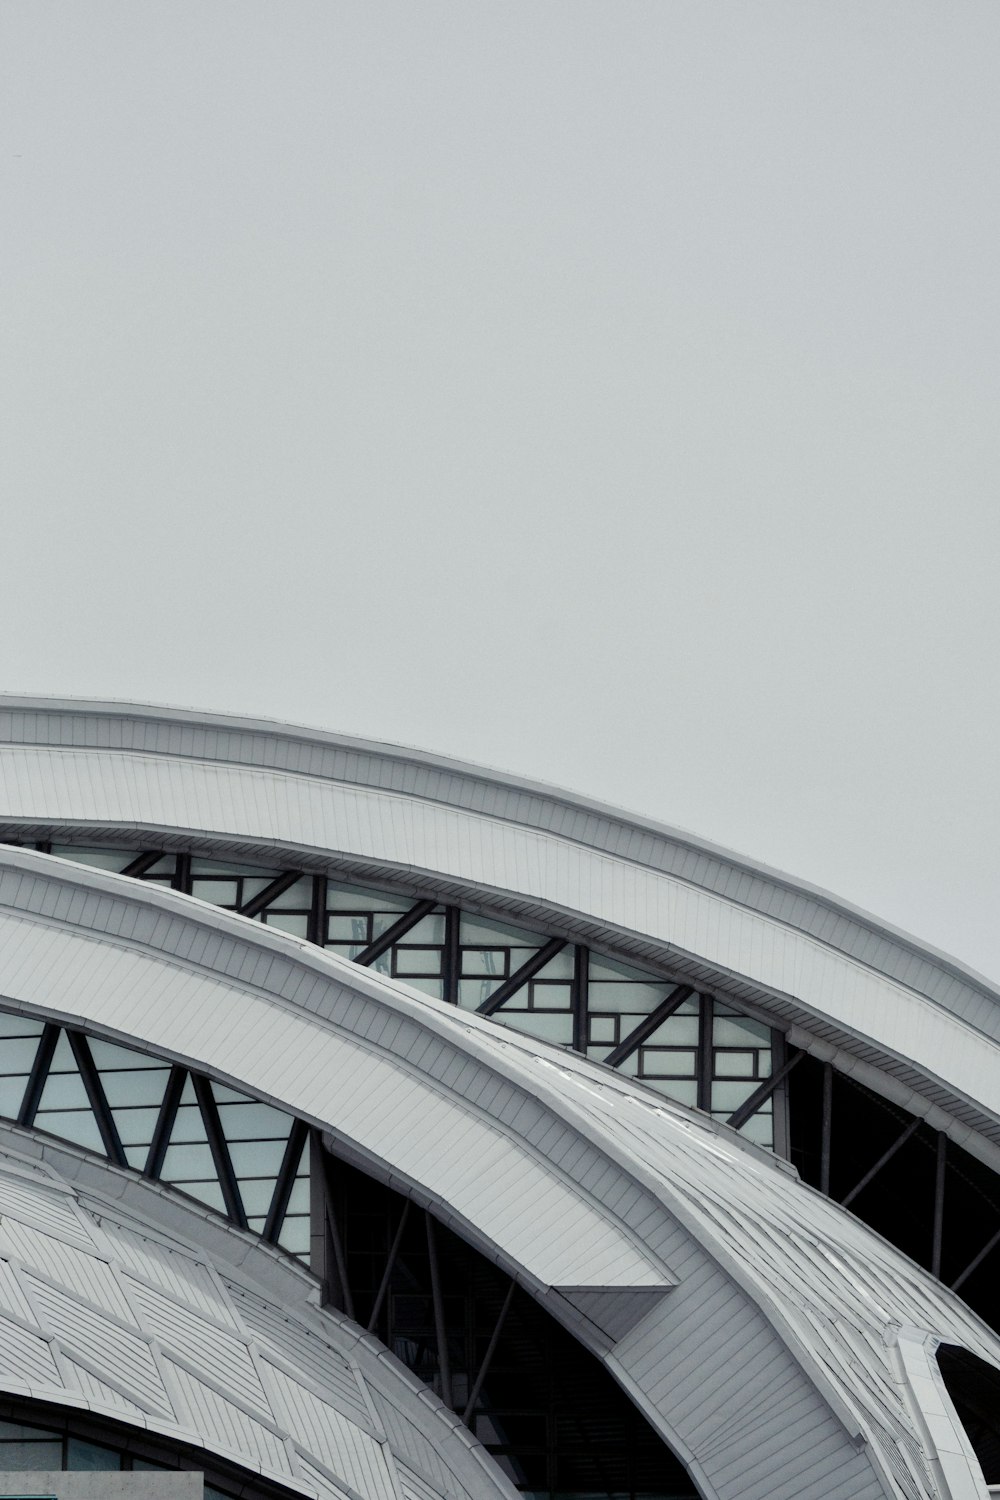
(376, 1125)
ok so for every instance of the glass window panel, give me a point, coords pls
(479, 932)
(550, 996)
(361, 898)
(18, 1025)
(205, 1192)
(602, 968)
(188, 1162)
(12, 1096)
(472, 992)
(136, 1156)
(298, 1198)
(16, 1457)
(254, 1122)
(99, 858)
(484, 961)
(201, 866)
(75, 1125)
(548, 1027)
(9, 1431)
(294, 1238)
(18, 1053)
(223, 1094)
(344, 950)
(257, 1158)
(147, 1087)
(729, 1096)
(348, 929)
(296, 923)
(84, 1456)
(417, 961)
(677, 1031)
(603, 1028)
(165, 866)
(188, 1124)
(741, 1031)
(636, 997)
(428, 930)
(64, 1091)
(562, 966)
(297, 897)
(219, 892)
(661, 1062)
(426, 986)
(735, 1064)
(136, 1126)
(256, 1193)
(111, 1055)
(598, 1054)
(678, 1089)
(760, 1128)
(147, 1465)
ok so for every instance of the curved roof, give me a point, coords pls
(103, 1310)
(895, 1013)
(761, 1329)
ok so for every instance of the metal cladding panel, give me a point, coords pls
(412, 1444)
(194, 1377)
(429, 1136)
(316, 1362)
(215, 1355)
(250, 803)
(227, 1428)
(346, 1449)
(25, 1357)
(84, 1275)
(413, 1487)
(320, 1482)
(177, 1275)
(108, 1347)
(96, 1391)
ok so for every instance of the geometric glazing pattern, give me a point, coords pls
(241, 1157)
(668, 1037)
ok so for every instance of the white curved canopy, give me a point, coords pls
(899, 1015)
(765, 1341)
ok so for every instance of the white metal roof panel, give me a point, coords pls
(183, 1374)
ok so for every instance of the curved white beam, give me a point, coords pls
(952, 1043)
(773, 1289)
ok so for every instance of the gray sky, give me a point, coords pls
(606, 392)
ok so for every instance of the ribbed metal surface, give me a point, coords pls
(191, 1367)
(746, 1363)
(828, 965)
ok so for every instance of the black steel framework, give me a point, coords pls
(846, 1141)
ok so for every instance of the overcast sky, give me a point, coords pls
(605, 392)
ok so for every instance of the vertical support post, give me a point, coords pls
(390, 1266)
(779, 1099)
(451, 957)
(826, 1135)
(706, 1013)
(317, 916)
(940, 1168)
(326, 1251)
(581, 974)
(440, 1330)
(182, 874)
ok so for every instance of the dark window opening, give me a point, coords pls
(974, 1387)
